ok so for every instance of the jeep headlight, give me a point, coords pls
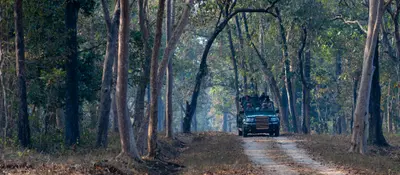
(249, 120)
(273, 119)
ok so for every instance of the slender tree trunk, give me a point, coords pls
(235, 69)
(375, 129)
(285, 110)
(356, 80)
(152, 131)
(358, 142)
(141, 122)
(305, 77)
(72, 98)
(106, 85)
(161, 114)
(225, 122)
(128, 144)
(3, 95)
(24, 134)
(194, 122)
(2, 116)
(170, 81)
(242, 55)
(288, 82)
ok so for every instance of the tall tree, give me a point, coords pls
(24, 134)
(128, 142)
(358, 141)
(141, 122)
(288, 73)
(158, 71)
(305, 77)
(72, 101)
(242, 55)
(170, 80)
(152, 135)
(106, 85)
(235, 69)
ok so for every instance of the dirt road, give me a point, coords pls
(280, 155)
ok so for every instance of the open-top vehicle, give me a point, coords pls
(257, 115)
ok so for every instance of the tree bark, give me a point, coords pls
(152, 131)
(225, 122)
(127, 138)
(235, 70)
(288, 73)
(24, 134)
(170, 81)
(242, 53)
(305, 77)
(72, 98)
(358, 142)
(4, 94)
(375, 129)
(106, 85)
(141, 123)
(389, 108)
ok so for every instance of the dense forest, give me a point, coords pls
(86, 74)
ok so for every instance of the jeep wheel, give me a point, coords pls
(277, 133)
(240, 132)
(244, 132)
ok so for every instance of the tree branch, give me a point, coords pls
(340, 17)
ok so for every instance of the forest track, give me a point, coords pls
(281, 156)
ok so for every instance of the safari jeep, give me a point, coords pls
(258, 120)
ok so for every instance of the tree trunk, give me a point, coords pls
(4, 95)
(114, 112)
(141, 122)
(2, 116)
(358, 142)
(285, 110)
(288, 82)
(127, 138)
(24, 134)
(152, 131)
(225, 122)
(194, 122)
(170, 81)
(106, 85)
(356, 80)
(375, 129)
(235, 69)
(72, 98)
(3, 100)
(243, 58)
(305, 77)
(161, 114)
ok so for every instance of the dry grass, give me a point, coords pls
(335, 149)
(214, 153)
(84, 159)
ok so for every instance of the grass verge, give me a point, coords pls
(334, 149)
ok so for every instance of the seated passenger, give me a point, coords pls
(267, 104)
(262, 97)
